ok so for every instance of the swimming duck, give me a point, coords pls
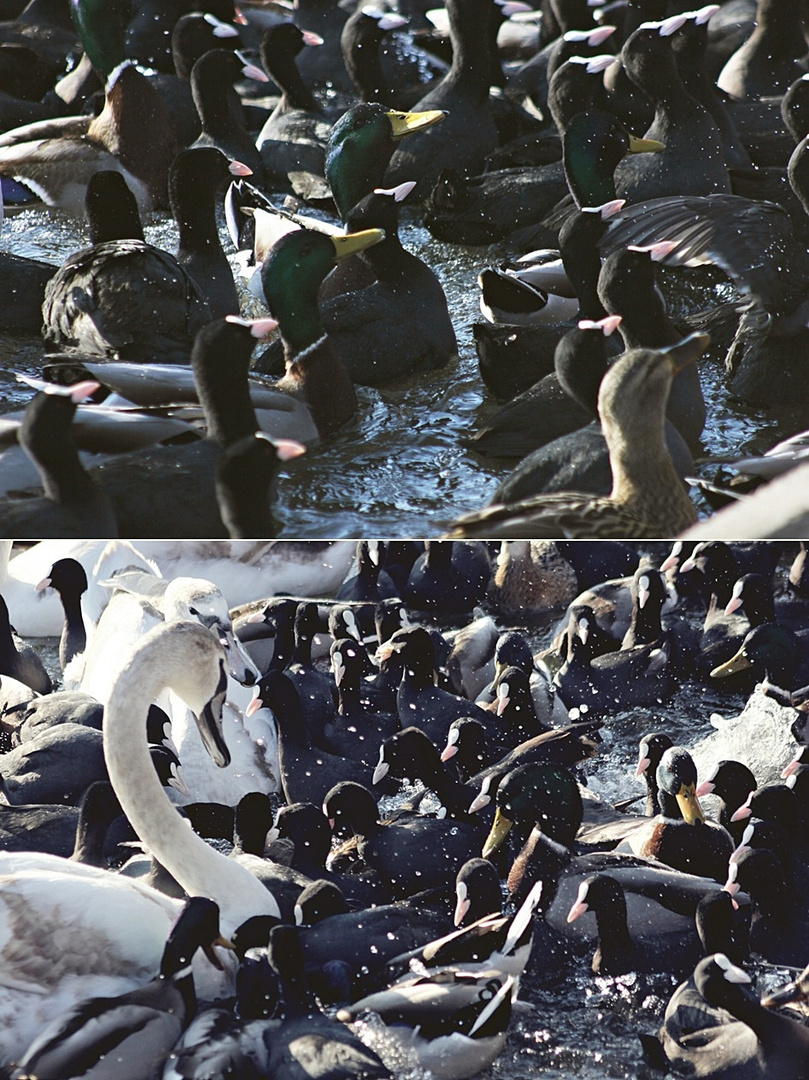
(88, 305)
(614, 680)
(221, 119)
(293, 139)
(693, 162)
(484, 208)
(355, 731)
(773, 652)
(469, 131)
(616, 952)
(306, 772)
(145, 1023)
(71, 501)
(291, 276)
(412, 853)
(680, 836)
(363, 35)
(641, 501)
(133, 134)
(195, 178)
(221, 351)
(777, 929)
(303, 1029)
(411, 753)
(754, 1044)
(449, 578)
(419, 701)
(541, 804)
(371, 583)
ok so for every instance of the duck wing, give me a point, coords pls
(753, 242)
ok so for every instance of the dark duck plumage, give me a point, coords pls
(71, 502)
(469, 132)
(758, 246)
(294, 137)
(410, 854)
(400, 324)
(692, 162)
(715, 1029)
(127, 299)
(679, 836)
(291, 276)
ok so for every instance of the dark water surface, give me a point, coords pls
(400, 469)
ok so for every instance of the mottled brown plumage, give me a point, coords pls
(647, 499)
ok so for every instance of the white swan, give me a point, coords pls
(141, 601)
(69, 931)
(243, 571)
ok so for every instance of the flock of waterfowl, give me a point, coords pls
(617, 140)
(197, 877)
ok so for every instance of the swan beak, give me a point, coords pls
(739, 662)
(689, 804)
(223, 943)
(242, 668)
(209, 723)
(497, 835)
(405, 123)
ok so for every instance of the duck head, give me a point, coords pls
(361, 144)
(536, 795)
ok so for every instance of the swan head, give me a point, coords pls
(197, 600)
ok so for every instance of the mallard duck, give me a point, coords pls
(91, 303)
(290, 277)
(715, 1029)
(615, 680)
(540, 805)
(141, 1027)
(773, 652)
(679, 835)
(133, 134)
(647, 498)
